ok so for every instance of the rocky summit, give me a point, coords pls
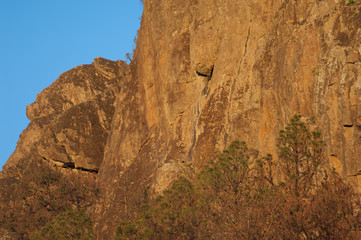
(71, 119)
(204, 73)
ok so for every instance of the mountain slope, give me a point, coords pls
(204, 74)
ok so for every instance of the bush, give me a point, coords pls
(235, 198)
(350, 2)
(41, 195)
(171, 216)
(67, 225)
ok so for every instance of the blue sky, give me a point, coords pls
(40, 39)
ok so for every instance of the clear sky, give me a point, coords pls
(40, 39)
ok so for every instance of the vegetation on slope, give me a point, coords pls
(67, 225)
(41, 196)
(237, 197)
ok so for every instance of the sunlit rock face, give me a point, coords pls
(205, 73)
(71, 119)
(70, 123)
(208, 73)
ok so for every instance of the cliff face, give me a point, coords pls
(70, 120)
(205, 73)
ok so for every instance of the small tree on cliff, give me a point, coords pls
(300, 155)
(227, 189)
(315, 206)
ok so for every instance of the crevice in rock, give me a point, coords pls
(246, 43)
(201, 74)
(147, 140)
(356, 174)
(53, 160)
(228, 119)
(70, 165)
(87, 170)
(207, 75)
(194, 130)
(205, 90)
(348, 125)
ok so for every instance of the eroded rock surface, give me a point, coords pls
(208, 73)
(205, 73)
(71, 119)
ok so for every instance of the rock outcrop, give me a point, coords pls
(204, 74)
(71, 119)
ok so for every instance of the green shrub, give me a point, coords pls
(67, 225)
(351, 2)
(301, 155)
(171, 216)
(236, 197)
(43, 194)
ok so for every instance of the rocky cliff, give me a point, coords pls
(205, 73)
(71, 119)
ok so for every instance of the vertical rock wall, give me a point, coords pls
(209, 72)
(205, 73)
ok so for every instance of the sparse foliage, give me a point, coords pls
(171, 216)
(350, 2)
(41, 195)
(301, 155)
(67, 225)
(129, 57)
(227, 188)
(236, 198)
